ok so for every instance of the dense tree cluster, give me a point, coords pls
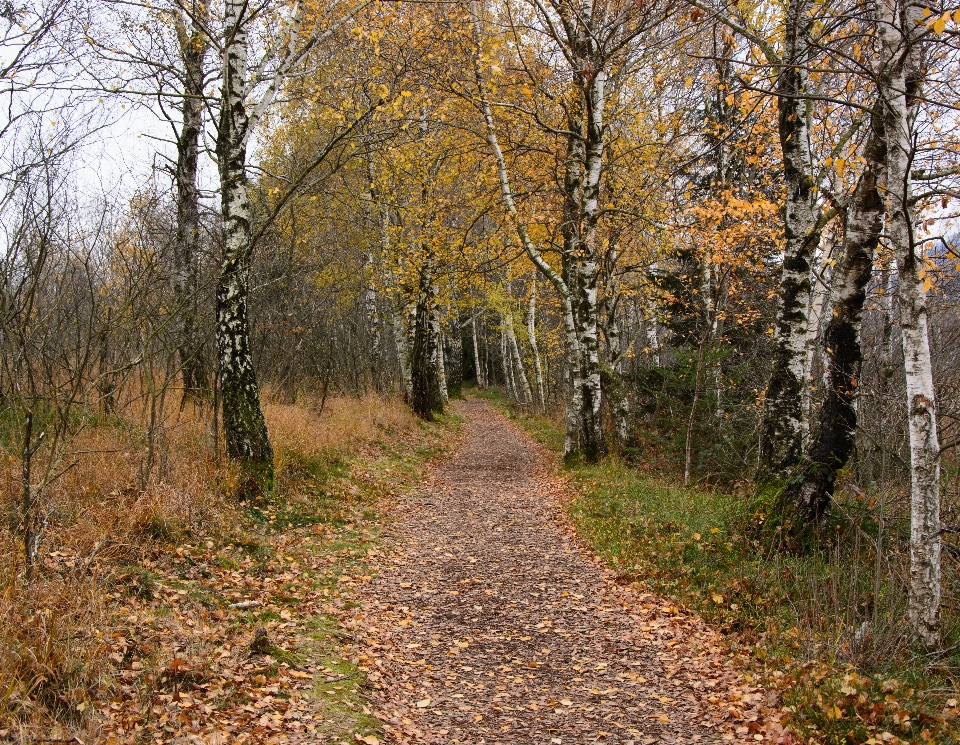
(717, 236)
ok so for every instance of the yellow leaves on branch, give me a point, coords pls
(938, 24)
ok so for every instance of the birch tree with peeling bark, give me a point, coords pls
(193, 46)
(532, 337)
(593, 39)
(782, 428)
(245, 93)
(901, 31)
(808, 497)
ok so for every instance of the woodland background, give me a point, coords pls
(711, 247)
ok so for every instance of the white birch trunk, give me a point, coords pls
(438, 360)
(575, 401)
(532, 335)
(901, 24)
(244, 426)
(478, 363)
(818, 305)
(401, 336)
(783, 420)
(507, 360)
(650, 331)
(523, 386)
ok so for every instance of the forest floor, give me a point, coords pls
(490, 622)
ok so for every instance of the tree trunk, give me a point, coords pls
(507, 361)
(688, 445)
(901, 25)
(245, 430)
(455, 388)
(593, 443)
(404, 352)
(650, 331)
(809, 497)
(186, 260)
(438, 361)
(819, 304)
(425, 398)
(524, 393)
(780, 449)
(479, 365)
(614, 391)
(576, 284)
(532, 335)
(372, 315)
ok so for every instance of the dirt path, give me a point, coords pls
(492, 625)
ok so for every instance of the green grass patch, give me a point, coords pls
(826, 628)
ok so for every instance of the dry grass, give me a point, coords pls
(343, 425)
(107, 519)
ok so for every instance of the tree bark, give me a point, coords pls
(532, 336)
(524, 394)
(901, 25)
(404, 352)
(455, 387)
(186, 259)
(438, 358)
(425, 398)
(479, 365)
(576, 283)
(507, 361)
(245, 429)
(809, 497)
(819, 304)
(781, 443)
(650, 330)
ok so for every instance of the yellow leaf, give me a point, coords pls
(941, 24)
(927, 284)
(696, 536)
(688, 82)
(714, 530)
(729, 99)
(718, 599)
(956, 16)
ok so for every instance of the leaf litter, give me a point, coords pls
(490, 622)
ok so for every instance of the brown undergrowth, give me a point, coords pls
(167, 608)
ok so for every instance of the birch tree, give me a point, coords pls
(245, 93)
(782, 438)
(534, 347)
(593, 39)
(809, 496)
(192, 46)
(901, 31)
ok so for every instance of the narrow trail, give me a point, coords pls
(491, 624)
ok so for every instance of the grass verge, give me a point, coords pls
(828, 630)
(178, 612)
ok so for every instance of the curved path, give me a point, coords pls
(491, 624)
